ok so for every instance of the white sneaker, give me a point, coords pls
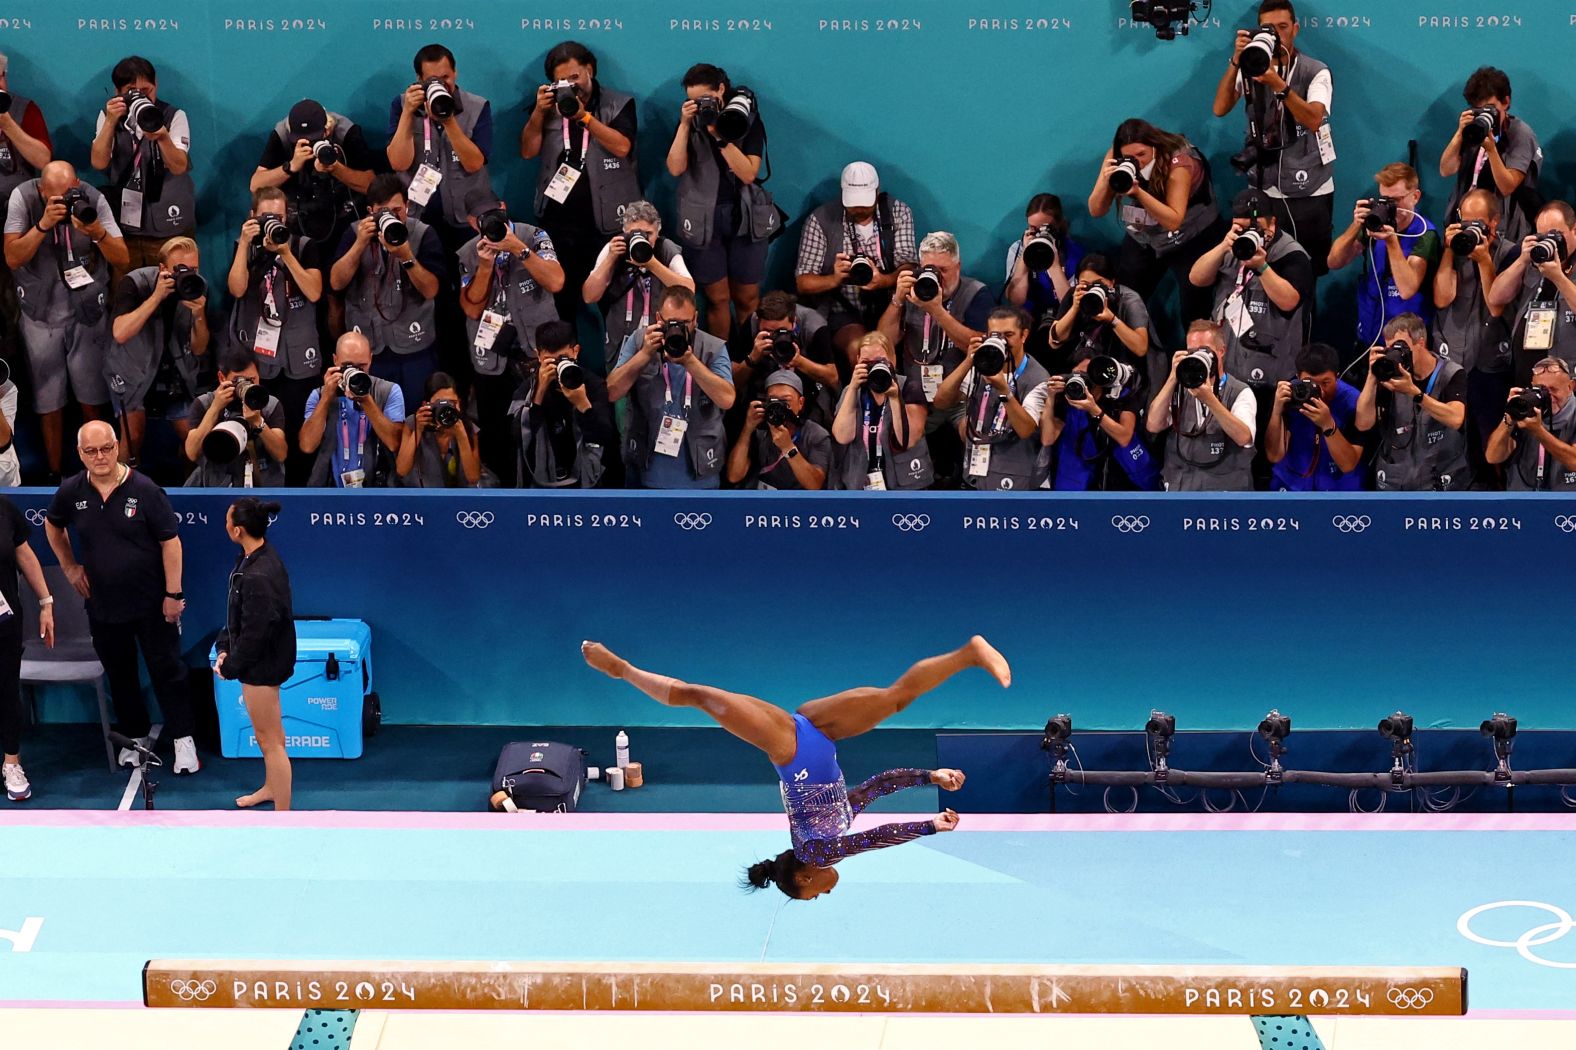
(186, 755)
(17, 789)
(128, 757)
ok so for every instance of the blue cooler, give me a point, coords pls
(328, 704)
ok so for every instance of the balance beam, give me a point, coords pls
(1007, 988)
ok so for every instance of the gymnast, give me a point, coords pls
(820, 806)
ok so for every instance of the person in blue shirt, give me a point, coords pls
(1092, 428)
(1309, 443)
(355, 437)
(1036, 282)
(1398, 258)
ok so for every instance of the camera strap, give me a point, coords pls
(585, 144)
(977, 431)
(667, 391)
(629, 300)
(345, 408)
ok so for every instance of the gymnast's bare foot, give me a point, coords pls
(987, 657)
(256, 798)
(603, 659)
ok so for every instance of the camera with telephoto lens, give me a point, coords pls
(1193, 371)
(1039, 251)
(1094, 302)
(675, 338)
(1533, 401)
(1303, 391)
(141, 113)
(861, 271)
(565, 98)
(1165, 16)
(1549, 247)
(1110, 373)
(570, 375)
(1124, 176)
(354, 382)
(250, 393)
(391, 228)
(226, 441)
(1396, 358)
(1484, 122)
(778, 414)
(1248, 244)
(189, 284)
(327, 153)
(1381, 213)
(638, 247)
(1470, 237)
(785, 346)
(445, 414)
(878, 377)
(736, 117)
(493, 225)
(272, 229)
(440, 100)
(992, 355)
(927, 284)
(5, 101)
(78, 206)
(1258, 54)
(1075, 386)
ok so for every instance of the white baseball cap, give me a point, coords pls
(860, 184)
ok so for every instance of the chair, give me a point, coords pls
(72, 660)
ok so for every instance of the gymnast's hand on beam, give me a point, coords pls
(947, 779)
(946, 820)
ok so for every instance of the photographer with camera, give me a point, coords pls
(782, 334)
(584, 131)
(1417, 402)
(1310, 438)
(323, 163)
(1002, 393)
(1040, 267)
(440, 137)
(779, 448)
(1089, 424)
(1289, 154)
(60, 242)
(25, 146)
(726, 214)
(850, 253)
(158, 338)
(1539, 283)
(879, 429)
(1494, 151)
(144, 145)
(563, 419)
(239, 437)
(680, 383)
(1101, 318)
(391, 268)
(1536, 435)
(438, 447)
(1399, 248)
(1211, 417)
(630, 272)
(354, 422)
(1161, 186)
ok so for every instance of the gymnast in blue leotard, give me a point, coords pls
(819, 804)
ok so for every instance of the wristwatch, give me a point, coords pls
(46, 600)
(1417, 399)
(407, 264)
(1098, 418)
(792, 453)
(1327, 433)
(179, 596)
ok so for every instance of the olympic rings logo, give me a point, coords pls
(911, 522)
(1130, 523)
(1351, 522)
(1410, 998)
(690, 521)
(36, 517)
(1563, 522)
(1549, 931)
(193, 991)
(474, 519)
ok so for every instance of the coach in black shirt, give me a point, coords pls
(130, 574)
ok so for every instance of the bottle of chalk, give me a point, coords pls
(621, 749)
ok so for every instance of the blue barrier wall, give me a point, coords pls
(1334, 609)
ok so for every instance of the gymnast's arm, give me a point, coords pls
(826, 852)
(883, 784)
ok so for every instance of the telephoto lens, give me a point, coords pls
(1248, 244)
(639, 248)
(878, 377)
(189, 284)
(1549, 247)
(734, 119)
(1397, 358)
(141, 113)
(78, 205)
(1469, 237)
(1094, 301)
(226, 441)
(273, 229)
(675, 338)
(992, 355)
(354, 382)
(1105, 371)
(1532, 401)
(1039, 251)
(785, 346)
(861, 271)
(391, 228)
(493, 225)
(565, 98)
(927, 284)
(1303, 391)
(778, 414)
(445, 414)
(570, 375)
(1484, 122)
(252, 395)
(1124, 176)
(1076, 387)
(326, 152)
(1193, 370)
(1381, 213)
(440, 101)
(1258, 54)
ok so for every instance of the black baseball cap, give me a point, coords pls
(1251, 203)
(308, 119)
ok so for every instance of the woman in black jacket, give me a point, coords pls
(258, 643)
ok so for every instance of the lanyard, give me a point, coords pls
(270, 301)
(1001, 407)
(629, 301)
(782, 457)
(585, 143)
(851, 239)
(426, 139)
(500, 284)
(874, 447)
(344, 435)
(667, 391)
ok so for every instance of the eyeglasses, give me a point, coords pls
(1539, 370)
(95, 453)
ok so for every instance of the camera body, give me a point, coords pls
(1249, 243)
(675, 338)
(565, 99)
(251, 393)
(1549, 247)
(1381, 213)
(1397, 358)
(1124, 176)
(439, 99)
(1484, 122)
(189, 284)
(992, 355)
(785, 346)
(1094, 302)
(927, 284)
(354, 382)
(141, 113)
(778, 414)
(78, 206)
(1166, 16)
(5, 101)
(570, 375)
(1194, 370)
(638, 247)
(1039, 251)
(272, 229)
(1075, 386)
(326, 153)
(445, 414)
(391, 228)
(1303, 391)
(737, 116)
(861, 270)
(1532, 401)
(706, 109)
(1472, 235)
(878, 377)
(493, 225)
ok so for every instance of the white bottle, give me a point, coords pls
(621, 749)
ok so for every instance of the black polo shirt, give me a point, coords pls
(117, 541)
(13, 534)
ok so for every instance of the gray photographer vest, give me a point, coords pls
(614, 181)
(1521, 474)
(697, 198)
(1465, 331)
(940, 349)
(14, 168)
(704, 439)
(457, 183)
(169, 202)
(267, 472)
(909, 468)
(299, 355)
(40, 282)
(137, 359)
(1420, 455)
(1281, 335)
(1015, 462)
(1208, 461)
(1201, 213)
(513, 292)
(1297, 169)
(832, 218)
(428, 469)
(537, 464)
(630, 301)
(384, 306)
(382, 459)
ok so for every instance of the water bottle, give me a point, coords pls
(621, 749)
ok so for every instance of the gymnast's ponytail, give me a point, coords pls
(779, 870)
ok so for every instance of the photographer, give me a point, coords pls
(25, 146)
(879, 428)
(1165, 198)
(1040, 267)
(567, 435)
(323, 163)
(1289, 153)
(146, 153)
(1536, 435)
(779, 448)
(1418, 404)
(353, 434)
(1113, 322)
(1502, 157)
(1399, 249)
(440, 155)
(60, 242)
(1002, 395)
(1088, 427)
(681, 382)
(157, 340)
(628, 289)
(588, 171)
(1210, 414)
(391, 268)
(438, 447)
(1538, 281)
(1310, 438)
(261, 435)
(864, 226)
(725, 215)
(805, 350)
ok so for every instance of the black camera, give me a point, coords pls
(1124, 176)
(1484, 122)
(785, 346)
(1095, 299)
(1248, 159)
(440, 100)
(1532, 401)
(706, 109)
(354, 382)
(1258, 54)
(1472, 235)
(570, 375)
(778, 414)
(142, 113)
(445, 415)
(78, 206)
(861, 271)
(493, 225)
(1110, 373)
(5, 101)
(1397, 358)
(1166, 16)
(327, 153)
(1549, 247)
(565, 98)
(272, 229)
(638, 247)
(1193, 371)
(878, 377)
(1075, 386)
(992, 355)
(251, 394)
(675, 338)
(735, 118)
(391, 228)
(1039, 251)
(927, 284)
(1381, 213)
(1303, 391)
(1248, 244)
(189, 284)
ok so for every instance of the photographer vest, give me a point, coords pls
(630, 302)
(1465, 331)
(430, 468)
(40, 282)
(384, 306)
(1015, 463)
(14, 168)
(267, 472)
(1295, 168)
(318, 202)
(614, 183)
(833, 221)
(1420, 455)
(433, 148)
(537, 460)
(1199, 455)
(876, 443)
(1202, 212)
(272, 293)
(1532, 468)
(513, 293)
(925, 342)
(1519, 211)
(129, 365)
(705, 439)
(169, 201)
(382, 459)
(697, 197)
(1539, 298)
(1267, 352)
